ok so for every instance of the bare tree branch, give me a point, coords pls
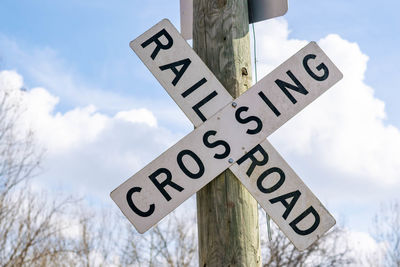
(387, 230)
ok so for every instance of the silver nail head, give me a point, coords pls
(234, 104)
(230, 160)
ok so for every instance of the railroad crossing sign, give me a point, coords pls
(230, 133)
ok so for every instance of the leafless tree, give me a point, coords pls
(36, 231)
(30, 234)
(97, 239)
(171, 243)
(387, 230)
(18, 154)
(330, 250)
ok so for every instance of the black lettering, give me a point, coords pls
(248, 119)
(269, 103)
(156, 39)
(163, 184)
(194, 87)
(298, 87)
(183, 167)
(265, 174)
(317, 220)
(197, 107)
(178, 73)
(215, 144)
(321, 66)
(254, 162)
(289, 206)
(133, 206)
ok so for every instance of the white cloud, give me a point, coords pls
(60, 132)
(138, 116)
(274, 45)
(87, 151)
(342, 140)
(345, 129)
(342, 145)
(9, 81)
(364, 249)
(44, 66)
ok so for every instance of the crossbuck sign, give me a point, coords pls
(230, 133)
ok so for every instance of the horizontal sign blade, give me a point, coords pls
(282, 194)
(181, 72)
(186, 167)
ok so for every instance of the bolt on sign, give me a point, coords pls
(230, 133)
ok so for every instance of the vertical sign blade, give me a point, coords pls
(181, 72)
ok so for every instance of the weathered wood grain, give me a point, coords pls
(227, 213)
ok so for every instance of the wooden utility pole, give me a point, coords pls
(226, 212)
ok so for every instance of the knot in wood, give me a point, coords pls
(221, 3)
(244, 72)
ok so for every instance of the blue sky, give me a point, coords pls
(91, 37)
(78, 51)
(374, 25)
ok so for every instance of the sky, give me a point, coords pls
(101, 116)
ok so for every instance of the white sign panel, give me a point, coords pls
(282, 194)
(181, 71)
(182, 170)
